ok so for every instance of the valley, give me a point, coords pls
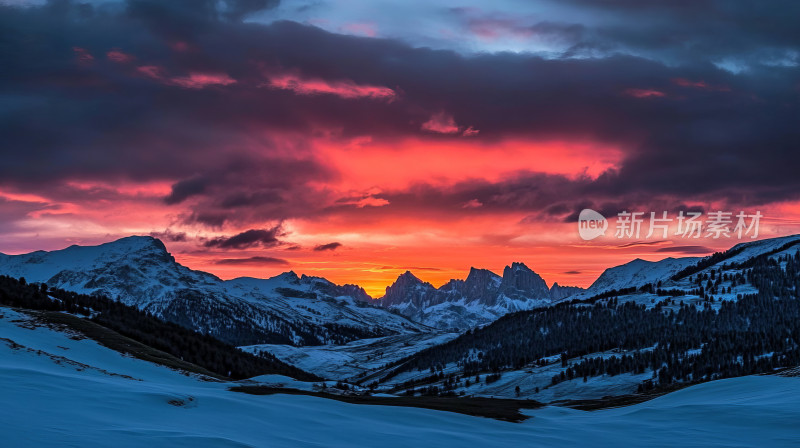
(641, 330)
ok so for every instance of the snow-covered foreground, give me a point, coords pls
(58, 391)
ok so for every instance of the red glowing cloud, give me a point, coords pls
(343, 88)
(645, 93)
(202, 80)
(119, 56)
(441, 123)
(197, 125)
(683, 82)
(82, 55)
(192, 81)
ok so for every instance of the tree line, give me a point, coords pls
(756, 333)
(199, 349)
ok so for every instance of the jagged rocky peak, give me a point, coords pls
(482, 278)
(407, 287)
(454, 285)
(311, 279)
(326, 286)
(481, 284)
(558, 292)
(289, 277)
(521, 281)
(354, 291)
(405, 280)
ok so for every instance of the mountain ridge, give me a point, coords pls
(480, 298)
(139, 271)
(309, 310)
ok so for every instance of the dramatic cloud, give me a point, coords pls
(329, 246)
(253, 261)
(185, 189)
(168, 235)
(119, 56)
(344, 89)
(689, 250)
(191, 81)
(441, 123)
(249, 238)
(221, 116)
(645, 93)
(193, 120)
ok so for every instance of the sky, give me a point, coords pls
(357, 140)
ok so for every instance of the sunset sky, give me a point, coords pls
(356, 140)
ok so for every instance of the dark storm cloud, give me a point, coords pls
(238, 9)
(195, 98)
(687, 249)
(253, 190)
(329, 246)
(185, 189)
(641, 243)
(169, 235)
(249, 238)
(257, 261)
(741, 31)
(545, 196)
(11, 212)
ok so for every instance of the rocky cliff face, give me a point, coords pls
(558, 292)
(408, 289)
(519, 282)
(481, 298)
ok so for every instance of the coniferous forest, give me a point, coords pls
(679, 342)
(199, 349)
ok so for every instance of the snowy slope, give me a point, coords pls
(356, 360)
(719, 282)
(755, 248)
(635, 273)
(639, 272)
(285, 309)
(64, 392)
(534, 381)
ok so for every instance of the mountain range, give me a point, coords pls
(286, 309)
(640, 326)
(304, 310)
(479, 299)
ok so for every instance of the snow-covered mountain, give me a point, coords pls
(302, 310)
(284, 309)
(479, 299)
(636, 273)
(639, 272)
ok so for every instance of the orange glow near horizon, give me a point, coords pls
(379, 240)
(553, 251)
(559, 256)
